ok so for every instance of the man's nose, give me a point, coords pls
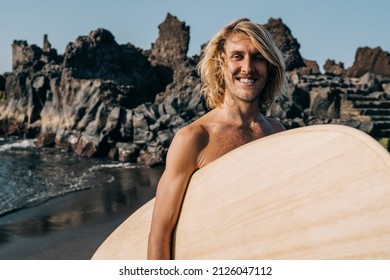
(247, 65)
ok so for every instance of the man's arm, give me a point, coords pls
(181, 163)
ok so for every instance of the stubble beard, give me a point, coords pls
(243, 93)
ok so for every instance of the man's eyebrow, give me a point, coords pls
(256, 53)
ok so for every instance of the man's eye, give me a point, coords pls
(259, 58)
(236, 57)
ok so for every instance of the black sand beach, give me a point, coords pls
(73, 226)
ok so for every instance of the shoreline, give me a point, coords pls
(79, 243)
(73, 226)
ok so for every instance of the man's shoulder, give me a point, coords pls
(200, 128)
(187, 145)
(193, 132)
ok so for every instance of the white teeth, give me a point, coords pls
(242, 80)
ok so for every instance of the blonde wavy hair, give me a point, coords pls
(212, 64)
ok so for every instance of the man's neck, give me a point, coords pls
(241, 113)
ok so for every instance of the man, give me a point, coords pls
(242, 72)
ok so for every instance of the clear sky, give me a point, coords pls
(325, 29)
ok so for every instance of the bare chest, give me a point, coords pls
(222, 141)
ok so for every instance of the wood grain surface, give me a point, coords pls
(318, 192)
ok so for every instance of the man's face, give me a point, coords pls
(246, 69)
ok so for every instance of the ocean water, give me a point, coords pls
(73, 188)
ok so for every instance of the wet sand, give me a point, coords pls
(73, 226)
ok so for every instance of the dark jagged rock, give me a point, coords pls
(2, 84)
(171, 46)
(31, 57)
(358, 102)
(310, 68)
(98, 56)
(370, 60)
(78, 104)
(332, 68)
(325, 103)
(286, 43)
(169, 53)
(23, 55)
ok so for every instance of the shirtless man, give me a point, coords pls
(242, 72)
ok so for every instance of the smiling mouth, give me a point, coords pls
(246, 80)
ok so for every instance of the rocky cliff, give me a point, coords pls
(104, 99)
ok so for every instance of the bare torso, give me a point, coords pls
(218, 137)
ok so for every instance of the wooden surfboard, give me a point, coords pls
(318, 192)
